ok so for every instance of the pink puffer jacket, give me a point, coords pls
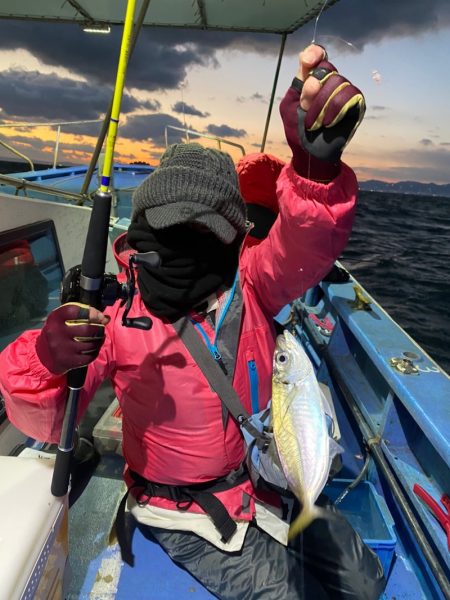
(172, 422)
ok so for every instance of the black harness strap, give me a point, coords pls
(217, 379)
(201, 493)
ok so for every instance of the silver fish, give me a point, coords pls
(300, 428)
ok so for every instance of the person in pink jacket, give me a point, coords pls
(178, 442)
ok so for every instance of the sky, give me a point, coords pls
(395, 51)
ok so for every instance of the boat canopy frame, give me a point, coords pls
(256, 16)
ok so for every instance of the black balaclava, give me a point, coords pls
(191, 212)
(194, 265)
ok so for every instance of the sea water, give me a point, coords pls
(399, 251)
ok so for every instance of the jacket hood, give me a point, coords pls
(122, 250)
(258, 174)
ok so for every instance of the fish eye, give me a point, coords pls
(282, 358)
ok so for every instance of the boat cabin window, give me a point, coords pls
(31, 270)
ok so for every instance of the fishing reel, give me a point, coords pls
(111, 289)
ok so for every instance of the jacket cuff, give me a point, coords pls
(39, 370)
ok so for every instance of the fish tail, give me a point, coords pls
(304, 519)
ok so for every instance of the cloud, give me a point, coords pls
(151, 105)
(31, 142)
(160, 61)
(163, 56)
(377, 107)
(150, 127)
(256, 96)
(33, 95)
(426, 142)
(225, 131)
(372, 20)
(188, 109)
(259, 97)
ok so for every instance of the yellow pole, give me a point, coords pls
(92, 267)
(117, 98)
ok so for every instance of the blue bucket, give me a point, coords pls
(369, 515)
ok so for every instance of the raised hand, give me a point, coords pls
(321, 112)
(331, 108)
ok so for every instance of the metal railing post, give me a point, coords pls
(274, 87)
(55, 155)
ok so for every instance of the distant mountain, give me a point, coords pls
(406, 187)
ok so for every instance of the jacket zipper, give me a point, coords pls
(253, 378)
(213, 347)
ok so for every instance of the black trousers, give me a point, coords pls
(328, 561)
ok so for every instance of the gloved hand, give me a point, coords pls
(71, 337)
(321, 112)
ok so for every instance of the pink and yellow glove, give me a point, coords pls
(71, 337)
(321, 112)
(334, 115)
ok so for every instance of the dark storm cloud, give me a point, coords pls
(160, 60)
(364, 21)
(30, 94)
(225, 131)
(163, 56)
(149, 127)
(188, 109)
(151, 105)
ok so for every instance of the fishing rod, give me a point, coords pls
(101, 137)
(93, 263)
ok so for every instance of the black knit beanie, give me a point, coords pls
(193, 184)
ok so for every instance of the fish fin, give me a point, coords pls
(335, 448)
(305, 518)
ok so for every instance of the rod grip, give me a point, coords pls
(76, 377)
(61, 473)
(94, 256)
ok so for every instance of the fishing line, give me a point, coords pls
(375, 74)
(313, 41)
(341, 40)
(335, 37)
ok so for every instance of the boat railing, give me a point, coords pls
(25, 185)
(57, 124)
(198, 134)
(17, 153)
